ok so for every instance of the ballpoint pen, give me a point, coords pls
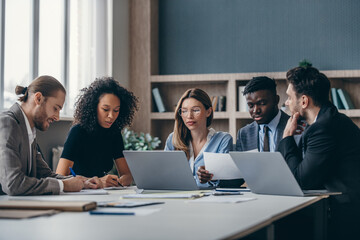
(105, 173)
(72, 172)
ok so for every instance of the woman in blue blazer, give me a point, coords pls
(193, 135)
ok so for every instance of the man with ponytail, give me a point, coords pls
(23, 171)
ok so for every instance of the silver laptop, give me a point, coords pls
(160, 170)
(268, 173)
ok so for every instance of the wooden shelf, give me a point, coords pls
(242, 115)
(145, 76)
(353, 113)
(214, 77)
(66, 118)
(170, 115)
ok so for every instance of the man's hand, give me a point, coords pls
(93, 183)
(204, 175)
(110, 180)
(74, 184)
(292, 126)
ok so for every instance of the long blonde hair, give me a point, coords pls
(182, 135)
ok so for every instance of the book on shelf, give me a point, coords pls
(336, 99)
(242, 100)
(345, 99)
(222, 104)
(214, 101)
(158, 100)
(218, 103)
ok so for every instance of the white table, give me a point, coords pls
(176, 220)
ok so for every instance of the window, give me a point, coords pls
(17, 48)
(51, 38)
(72, 38)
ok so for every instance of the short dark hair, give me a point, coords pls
(309, 81)
(260, 83)
(86, 106)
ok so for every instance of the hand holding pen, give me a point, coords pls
(110, 180)
(93, 182)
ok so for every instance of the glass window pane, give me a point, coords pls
(51, 38)
(81, 69)
(17, 48)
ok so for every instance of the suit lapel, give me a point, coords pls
(255, 132)
(280, 128)
(25, 150)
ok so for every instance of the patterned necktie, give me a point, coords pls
(266, 139)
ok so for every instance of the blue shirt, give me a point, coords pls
(272, 133)
(218, 142)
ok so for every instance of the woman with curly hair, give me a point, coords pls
(95, 142)
(193, 135)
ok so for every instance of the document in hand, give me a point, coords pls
(74, 206)
(221, 165)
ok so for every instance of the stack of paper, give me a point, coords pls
(100, 191)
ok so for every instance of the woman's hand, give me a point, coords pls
(125, 180)
(204, 175)
(110, 181)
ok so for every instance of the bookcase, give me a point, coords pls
(144, 77)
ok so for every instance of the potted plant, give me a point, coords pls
(135, 141)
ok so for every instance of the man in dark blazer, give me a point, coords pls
(23, 171)
(328, 155)
(262, 101)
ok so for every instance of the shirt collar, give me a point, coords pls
(31, 132)
(273, 123)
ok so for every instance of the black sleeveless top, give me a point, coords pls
(92, 153)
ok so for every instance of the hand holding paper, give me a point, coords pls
(204, 175)
(221, 166)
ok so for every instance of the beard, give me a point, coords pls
(40, 118)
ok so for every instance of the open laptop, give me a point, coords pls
(161, 170)
(268, 173)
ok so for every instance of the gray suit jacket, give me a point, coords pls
(15, 178)
(248, 136)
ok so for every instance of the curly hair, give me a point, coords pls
(86, 105)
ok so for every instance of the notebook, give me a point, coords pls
(268, 173)
(75, 206)
(160, 170)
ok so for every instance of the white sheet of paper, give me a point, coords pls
(222, 199)
(163, 195)
(137, 212)
(252, 150)
(87, 192)
(221, 165)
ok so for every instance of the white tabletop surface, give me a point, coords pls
(177, 219)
